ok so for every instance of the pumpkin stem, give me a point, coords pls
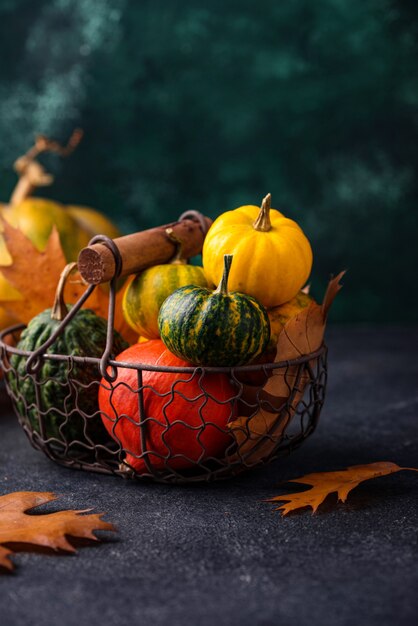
(178, 258)
(31, 173)
(263, 222)
(223, 285)
(59, 308)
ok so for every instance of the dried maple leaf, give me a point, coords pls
(35, 275)
(302, 334)
(258, 435)
(49, 530)
(325, 483)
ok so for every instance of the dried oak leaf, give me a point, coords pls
(49, 530)
(325, 483)
(258, 435)
(35, 275)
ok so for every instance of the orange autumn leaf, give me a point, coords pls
(258, 435)
(49, 530)
(35, 276)
(325, 483)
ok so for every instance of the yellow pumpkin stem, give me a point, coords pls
(263, 222)
(31, 173)
(223, 285)
(59, 308)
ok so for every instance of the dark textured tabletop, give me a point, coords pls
(217, 554)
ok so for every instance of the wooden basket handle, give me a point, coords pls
(96, 263)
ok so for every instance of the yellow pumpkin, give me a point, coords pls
(35, 217)
(279, 315)
(92, 222)
(272, 256)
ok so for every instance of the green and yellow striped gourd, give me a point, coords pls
(214, 328)
(147, 291)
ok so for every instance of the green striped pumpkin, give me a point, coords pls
(65, 392)
(60, 401)
(147, 291)
(214, 328)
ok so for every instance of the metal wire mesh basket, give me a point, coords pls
(169, 424)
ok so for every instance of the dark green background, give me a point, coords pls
(211, 104)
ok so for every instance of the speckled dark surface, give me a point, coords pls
(217, 554)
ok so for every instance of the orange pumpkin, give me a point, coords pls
(186, 414)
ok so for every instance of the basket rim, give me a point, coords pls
(8, 349)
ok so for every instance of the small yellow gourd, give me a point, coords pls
(272, 255)
(280, 315)
(146, 291)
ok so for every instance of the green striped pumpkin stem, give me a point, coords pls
(223, 285)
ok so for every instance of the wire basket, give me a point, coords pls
(196, 424)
